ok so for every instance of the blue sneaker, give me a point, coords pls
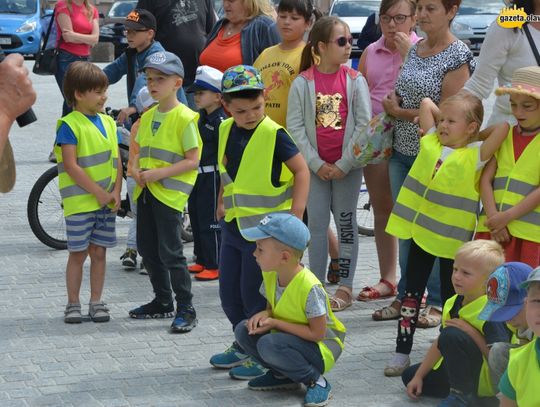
(234, 356)
(270, 382)
(457, 399)
(317, 396)
(248, 370)
(185, 319)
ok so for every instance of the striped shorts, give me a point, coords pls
(97, 227)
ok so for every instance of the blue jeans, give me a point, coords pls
(282, 353)
(63, 61)
(399, 167)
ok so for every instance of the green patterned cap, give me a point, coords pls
(241, 77)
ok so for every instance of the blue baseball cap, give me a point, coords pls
(534, 277)
(284, 227)
(165, 62)
(504, 292)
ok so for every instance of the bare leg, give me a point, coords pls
(74, 272)
(333, 248)
(97, 271)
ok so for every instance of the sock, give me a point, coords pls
(399, 359)
(321, 381)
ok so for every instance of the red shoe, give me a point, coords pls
(208, 275)
(195, 268)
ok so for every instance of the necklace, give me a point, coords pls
(231, 30)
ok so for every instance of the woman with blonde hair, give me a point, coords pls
(246, 30)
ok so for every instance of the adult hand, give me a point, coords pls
(403, 43)
(68, 35)
(124, 114)
(324, 172)
(391, 103)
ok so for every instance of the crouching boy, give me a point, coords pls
(297, 337)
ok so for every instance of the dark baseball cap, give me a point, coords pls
(140, 19)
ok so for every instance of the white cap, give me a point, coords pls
(144, 100)
(207, 78)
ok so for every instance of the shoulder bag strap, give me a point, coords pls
(531, 43)
(46, 39)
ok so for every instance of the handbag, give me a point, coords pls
(374, 145)
(46, 58)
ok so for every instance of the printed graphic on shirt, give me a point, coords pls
(280, 73)
(184, 11)
(155, 126)
(327, 107)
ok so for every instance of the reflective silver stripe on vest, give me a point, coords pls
(500, 182)
(160, 154)
(225, 179)
(227, 202)
(531, 217)
(74, 190)
(176, 185)
(440, 198)
(258, 201)
(515, 186)
(91, 161)
(449, 231)
(332, 344)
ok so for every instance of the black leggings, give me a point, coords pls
(419, 265)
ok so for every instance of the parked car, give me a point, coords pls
(23, 24)
(112, 29)
(355, 13)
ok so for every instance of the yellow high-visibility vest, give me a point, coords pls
(513, 182)
(97, 155)
(163, 149)
(291, 307)
(524, 374)
(438, 212)
(252, 195)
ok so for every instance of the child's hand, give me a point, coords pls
(336, 173)
(220, 211)
(502, 236)
(104, 197)
(148, 176)
(403, 43)
(116, 201)
(498, 221)
(324, 172)
(264, 326)
(463, 325)
(254, 322)
(414, 388)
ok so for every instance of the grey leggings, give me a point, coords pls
(340, 197)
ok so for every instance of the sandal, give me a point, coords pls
(339, 304)
(429, 317)
(392, 311)
(371, 293)
(332, 275)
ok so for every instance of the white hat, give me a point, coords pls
(144, 100)
(207, 78)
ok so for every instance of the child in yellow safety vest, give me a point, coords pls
(297, 337)
(519, 384)
(510, 184)
(437, 206)
(455, 366)
(90, 181)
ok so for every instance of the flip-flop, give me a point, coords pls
(371, 293)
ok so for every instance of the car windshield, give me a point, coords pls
(470, 7)
(18, 6)
(121, 8)
(355, 8)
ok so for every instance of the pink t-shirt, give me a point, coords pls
(382, 69)
(80, 23)
(330, 113)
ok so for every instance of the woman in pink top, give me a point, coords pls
(380, 64)
(78, 30)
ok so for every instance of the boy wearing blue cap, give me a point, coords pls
(455, 367)
(519, 384)
(165, 171)
(505, 303)
(297, 337)
(202, 203)
(262, 171)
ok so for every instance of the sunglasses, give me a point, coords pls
(342, 41)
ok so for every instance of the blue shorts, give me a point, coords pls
(97, 227)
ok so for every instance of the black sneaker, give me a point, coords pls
(143, 271)
(153, 309)
(129, 259)
(185, 320)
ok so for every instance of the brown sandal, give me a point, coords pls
(429, 317)
(392, 311)
(338, 304)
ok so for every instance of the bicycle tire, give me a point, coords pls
(364, 214)
(56, 218)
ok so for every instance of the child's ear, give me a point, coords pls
(473, 128)
(179, 82)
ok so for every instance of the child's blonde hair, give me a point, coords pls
(471, 106)
(490, 252)
(295, 253)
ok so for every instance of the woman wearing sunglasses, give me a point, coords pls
(380, 64)
(328, 103)
(436, 67)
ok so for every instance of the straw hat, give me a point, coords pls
(7, 169)
(525, 81)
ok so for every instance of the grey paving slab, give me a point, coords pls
(138, 363)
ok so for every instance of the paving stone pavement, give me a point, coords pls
(128, 362)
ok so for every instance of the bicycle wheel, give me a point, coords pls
(364, 214)
(45, 212)
(186, 232)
